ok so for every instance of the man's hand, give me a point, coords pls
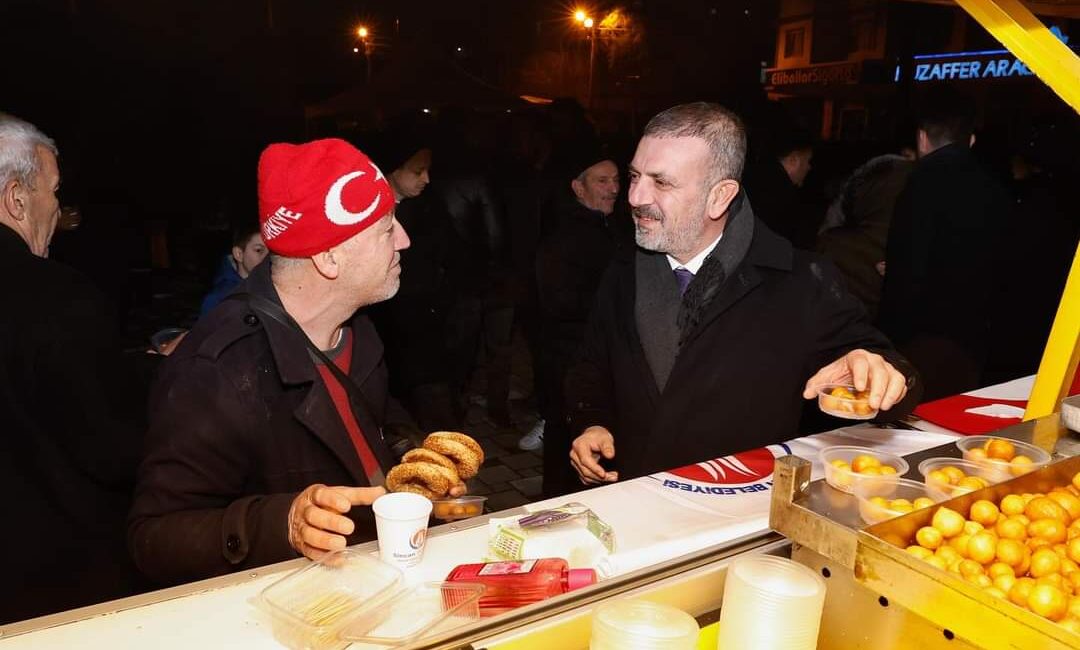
(585, 454)
(317, 521)
(865, 371)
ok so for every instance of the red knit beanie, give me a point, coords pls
(316, 195)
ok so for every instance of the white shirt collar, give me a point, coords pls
(694, 265)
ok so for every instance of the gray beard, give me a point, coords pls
(674, 243)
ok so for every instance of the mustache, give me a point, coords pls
(647, 212)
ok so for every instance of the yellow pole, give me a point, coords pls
(1062, 351)
(1010, 22)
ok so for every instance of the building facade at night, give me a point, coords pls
(851, 69)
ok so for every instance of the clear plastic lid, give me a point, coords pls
(310, 606)
(422, 611)
(640, 624)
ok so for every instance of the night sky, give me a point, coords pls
(158, 103)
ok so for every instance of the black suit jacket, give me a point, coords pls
(68, 438)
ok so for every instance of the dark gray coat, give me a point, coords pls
(774, 317)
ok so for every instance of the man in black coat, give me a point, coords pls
(68, 441)
(569, 264)
(704, 340)
(940, 260)
(257, 450)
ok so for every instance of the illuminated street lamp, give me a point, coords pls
(363, 33)
(588, 23)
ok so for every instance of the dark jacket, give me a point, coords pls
(413, 322)
(68, 439)
(940, 258)
(225, 280)
(780, 204)
(241, 423)
(569, 264)
(743, 355)
(857, 244)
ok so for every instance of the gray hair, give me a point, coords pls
(719, 127)
(19, 159)
(282, 264)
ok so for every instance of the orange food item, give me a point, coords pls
(1021, 465)
(948, 522)
(1011, 528)
(972, 483)
(1010, 553)
(1048, 602)
(1044, 507)
(1021, 590)
(1044, 562)
(1025, 547)
(1000, 449)
(929, 537)
(1012, 505)
(983, 548)
(985, 512)
(1053, 531)
(863, 462)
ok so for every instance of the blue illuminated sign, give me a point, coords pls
(985, 64)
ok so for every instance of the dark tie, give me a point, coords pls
(683, 276)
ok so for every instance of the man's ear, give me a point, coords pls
(237, 254)
(578, 188)
(922, 141)
(327, 264)
(720, 197)
(15, 199)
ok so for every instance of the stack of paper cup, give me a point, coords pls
(642, 625)
(771, 603)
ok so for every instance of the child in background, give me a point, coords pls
(248, 251)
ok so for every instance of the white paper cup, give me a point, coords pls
(401, 520)
(771, 603)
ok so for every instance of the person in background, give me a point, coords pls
(258, 451)
(1040, 242)
(707, 340)
(69, 433)
(570, 262)
(482, 316)
(940, 257)
(248, 251)
(413, 324)
(857, 223)
(774, 184)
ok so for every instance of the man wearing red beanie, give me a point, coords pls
(266, 435)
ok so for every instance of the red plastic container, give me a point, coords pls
(521, 582)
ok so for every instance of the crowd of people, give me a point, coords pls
(681, 298)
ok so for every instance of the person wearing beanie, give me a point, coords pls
(258, 451)
(569, 264)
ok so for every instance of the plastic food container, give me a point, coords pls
(974, 449)
(310, 607)
(850, 408)
(845, 480)
(642, 625)
(950, 489)
(424, 610)
(872, 510)
(450, 509)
